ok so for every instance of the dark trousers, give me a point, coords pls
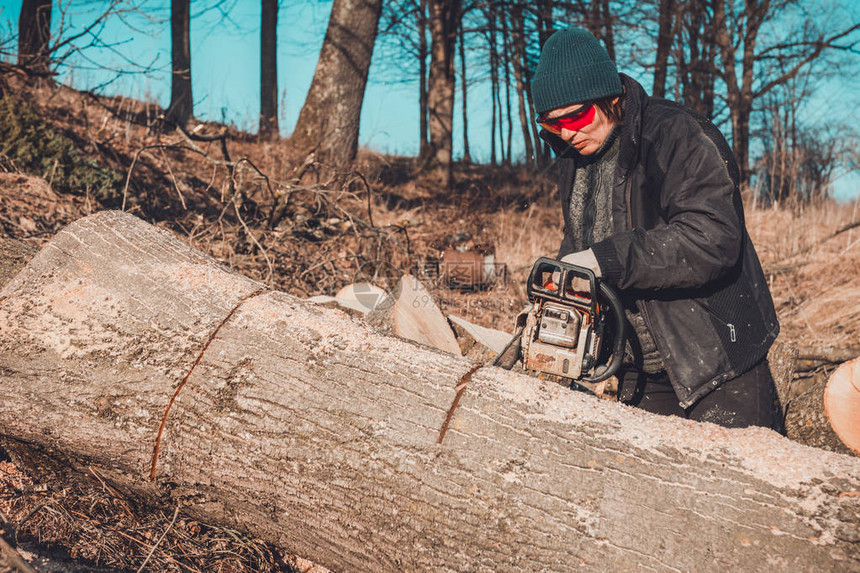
(748, 400)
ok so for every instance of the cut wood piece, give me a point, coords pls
(349, 306)
(842, 403)
(490, 338)
(469, 347)
(356, 299)
(365, 296)
(410, 312)
(305, 428)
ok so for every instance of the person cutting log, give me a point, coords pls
(651, 204)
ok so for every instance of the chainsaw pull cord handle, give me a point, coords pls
(620, 336)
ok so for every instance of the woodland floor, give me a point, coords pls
(308, 232)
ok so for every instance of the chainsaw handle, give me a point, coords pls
(620, 336)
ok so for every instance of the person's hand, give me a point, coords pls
(585, 259)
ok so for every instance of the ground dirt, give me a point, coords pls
(295, 225)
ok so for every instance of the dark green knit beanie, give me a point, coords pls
(574, 67)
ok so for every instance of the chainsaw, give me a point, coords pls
(568, 331)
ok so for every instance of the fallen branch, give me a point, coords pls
(13, 559)
(830, 354)
(836, 233)
(160, 539)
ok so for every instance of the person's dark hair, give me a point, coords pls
(611, 110)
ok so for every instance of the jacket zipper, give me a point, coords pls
(733, 335)
(627, 196)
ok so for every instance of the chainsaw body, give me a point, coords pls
(572, 315)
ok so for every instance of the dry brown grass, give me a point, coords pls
(816, 292)
(89, 522)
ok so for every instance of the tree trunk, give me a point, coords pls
(509, 110)
(696, 69)
(269, 70)
(545, 25)
(181, 108)
(440, 86)
(739, 96)
(467, 155)
(609, 28)
(424, 146)
(842, 403)
(330, 117)
(500, 116)
(34, 35)
(664, 46)
(494, 81)
(542, 151)
(826, 415)
(519, 49)
(364, 452)
(545, 22)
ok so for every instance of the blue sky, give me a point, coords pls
(225, 72)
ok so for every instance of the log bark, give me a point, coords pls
(302, 426)
(781, 359)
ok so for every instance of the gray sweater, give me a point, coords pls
(591, 213)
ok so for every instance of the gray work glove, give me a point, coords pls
(585, 259)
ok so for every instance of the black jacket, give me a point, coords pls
(680, 248)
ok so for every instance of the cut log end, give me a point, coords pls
(842, 403)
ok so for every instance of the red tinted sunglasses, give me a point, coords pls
(573, 121)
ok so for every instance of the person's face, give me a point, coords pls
(575, 129)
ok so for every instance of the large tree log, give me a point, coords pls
(302, 426)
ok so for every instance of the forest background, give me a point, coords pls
(789, 66)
